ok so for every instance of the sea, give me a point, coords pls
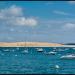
(29, 60)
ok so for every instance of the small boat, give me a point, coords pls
(39, 49)
(72, 56)
(57, 66)
(53, 53)
(25, 51)
(54, 50)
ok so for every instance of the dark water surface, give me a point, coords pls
(14, 61)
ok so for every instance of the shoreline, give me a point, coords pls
(42, 46)
(32, 44)
(28, 44)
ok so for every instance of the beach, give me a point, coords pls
(28, 44)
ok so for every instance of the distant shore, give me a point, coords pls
(28, 44)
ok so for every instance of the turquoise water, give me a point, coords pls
(14, 61)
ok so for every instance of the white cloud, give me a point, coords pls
(71, 2)
(60, 12)
(11, 11)
(14, 16)
(24, 21)
(69, 26)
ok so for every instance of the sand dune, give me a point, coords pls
(28, 44)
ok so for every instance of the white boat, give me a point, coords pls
(53, 53)
(39, 49)
(25, 51)
(54, 50)
(72, 56)
(57, 66)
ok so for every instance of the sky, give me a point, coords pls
(37, 21)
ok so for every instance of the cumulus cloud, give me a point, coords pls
(14, 15)
(60, 12)
(69, 26)
(24, 21)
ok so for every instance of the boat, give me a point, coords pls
(57, 66)
(71, 56)
(25, 51)
(51, 52)
(54, 50)
(39, 49)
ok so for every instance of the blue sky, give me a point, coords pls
(42, 21)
